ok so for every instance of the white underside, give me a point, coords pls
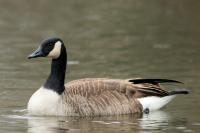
(155, 103)
(45, 102)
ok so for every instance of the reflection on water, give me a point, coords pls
(41, 125)
(154, 121)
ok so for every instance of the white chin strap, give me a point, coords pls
(55, 52)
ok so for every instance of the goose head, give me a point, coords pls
(51, 47)
(55, 49)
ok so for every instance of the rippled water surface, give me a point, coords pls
(115, 38)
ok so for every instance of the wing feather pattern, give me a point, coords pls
(103, 96)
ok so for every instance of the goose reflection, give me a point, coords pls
(45, 125)
(155, 120)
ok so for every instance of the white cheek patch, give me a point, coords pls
(55, 52)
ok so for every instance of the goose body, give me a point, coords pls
(93, 96)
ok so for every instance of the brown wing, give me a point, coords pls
(94, 86)
(102, 96)
(151, 87)
(131, 88)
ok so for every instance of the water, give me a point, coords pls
(118, 39)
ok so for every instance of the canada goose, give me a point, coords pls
(93, 96)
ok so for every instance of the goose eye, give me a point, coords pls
(48, 48)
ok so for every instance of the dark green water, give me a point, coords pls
(107, 38)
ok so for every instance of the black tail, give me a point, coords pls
(153, 81)
(178, 92)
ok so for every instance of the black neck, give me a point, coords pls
(56, 78)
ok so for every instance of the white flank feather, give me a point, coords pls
(154, 103)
